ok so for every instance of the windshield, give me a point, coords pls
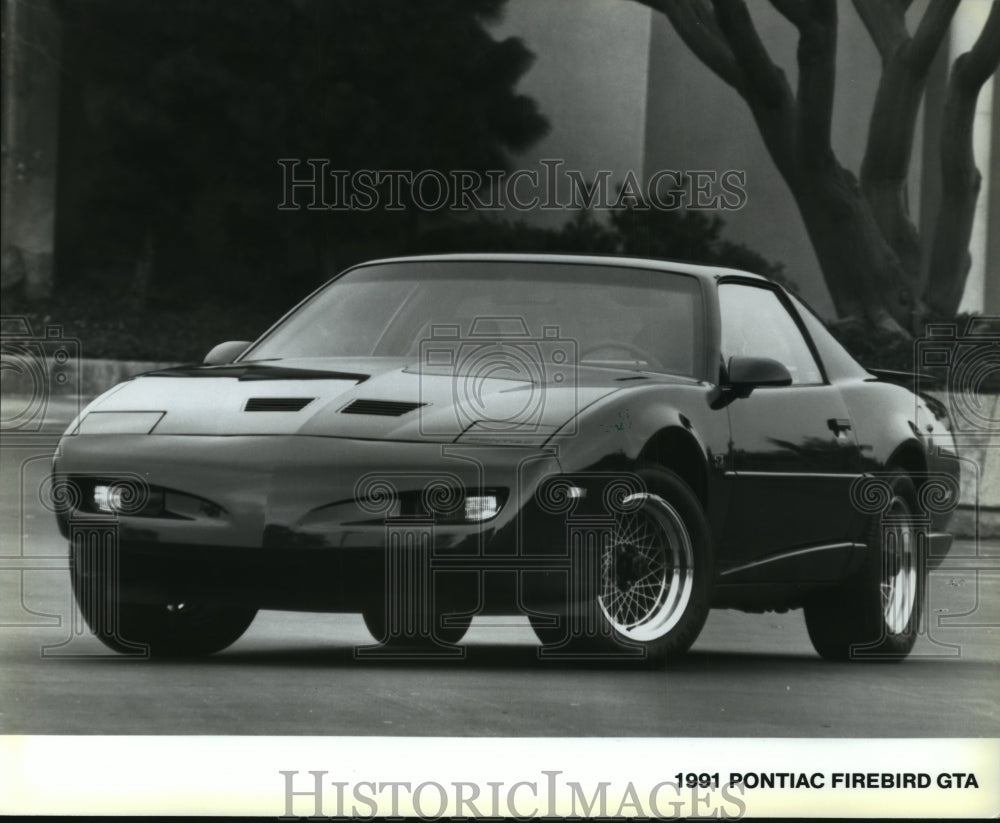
(592, 314)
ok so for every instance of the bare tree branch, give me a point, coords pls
(696, 25)
(765, 82)
(864, 239)
(795, 11)
(931, 30)
(885, 24)
(817, 56)
(892, 125)
(816, 21)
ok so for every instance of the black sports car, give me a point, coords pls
(610, 446)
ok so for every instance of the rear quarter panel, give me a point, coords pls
(897, 428)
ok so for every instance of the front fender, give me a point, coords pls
(641, 423)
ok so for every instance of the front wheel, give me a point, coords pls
(655, 572)
(179, 629)
(449, 631)
(875, 615)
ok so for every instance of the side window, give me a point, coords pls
(836, 359)
(755, 323)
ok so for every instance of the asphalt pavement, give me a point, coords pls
(295, 674)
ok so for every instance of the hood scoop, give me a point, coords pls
(277, 404)
(385, 408)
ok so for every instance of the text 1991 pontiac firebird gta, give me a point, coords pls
(610, 446)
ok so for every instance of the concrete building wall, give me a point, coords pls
(964, 32)
(589, 77)
(991, 278)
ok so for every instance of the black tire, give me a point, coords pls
(656, 581)
(875, 614)
(167, 630)
(548, 634)
(452, 632)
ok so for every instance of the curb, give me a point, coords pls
(28, 375)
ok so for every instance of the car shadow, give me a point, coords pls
(498, 657)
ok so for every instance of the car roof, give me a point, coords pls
(673, 266)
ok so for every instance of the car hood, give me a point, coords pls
(372, 398)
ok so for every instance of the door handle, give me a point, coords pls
(838, 425)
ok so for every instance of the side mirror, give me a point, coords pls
(748, 373)
(226, 352)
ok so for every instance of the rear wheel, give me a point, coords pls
(655, 575)
(179, 629)
(875, 615)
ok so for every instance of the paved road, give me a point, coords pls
(752, 675)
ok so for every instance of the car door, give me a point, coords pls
(793, 453)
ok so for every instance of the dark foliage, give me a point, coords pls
(957, 353)
(112, 326)
(115, 325)
(693, 236)
(176, 113)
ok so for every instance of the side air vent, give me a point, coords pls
(386, 408)
(277, 404)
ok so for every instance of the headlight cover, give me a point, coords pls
(119, 422)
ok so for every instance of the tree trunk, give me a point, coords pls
(862, 273)
(950, 259)
(861, 270)
(961, 180)
(887, 162)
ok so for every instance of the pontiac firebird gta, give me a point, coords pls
(609, 446)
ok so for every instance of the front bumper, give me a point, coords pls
(307, 523)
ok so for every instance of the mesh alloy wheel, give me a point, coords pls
(647, 569)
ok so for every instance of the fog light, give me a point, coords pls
(109, 498)
(481, 507)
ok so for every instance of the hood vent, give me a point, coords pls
(386, 408)
(277, 404)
